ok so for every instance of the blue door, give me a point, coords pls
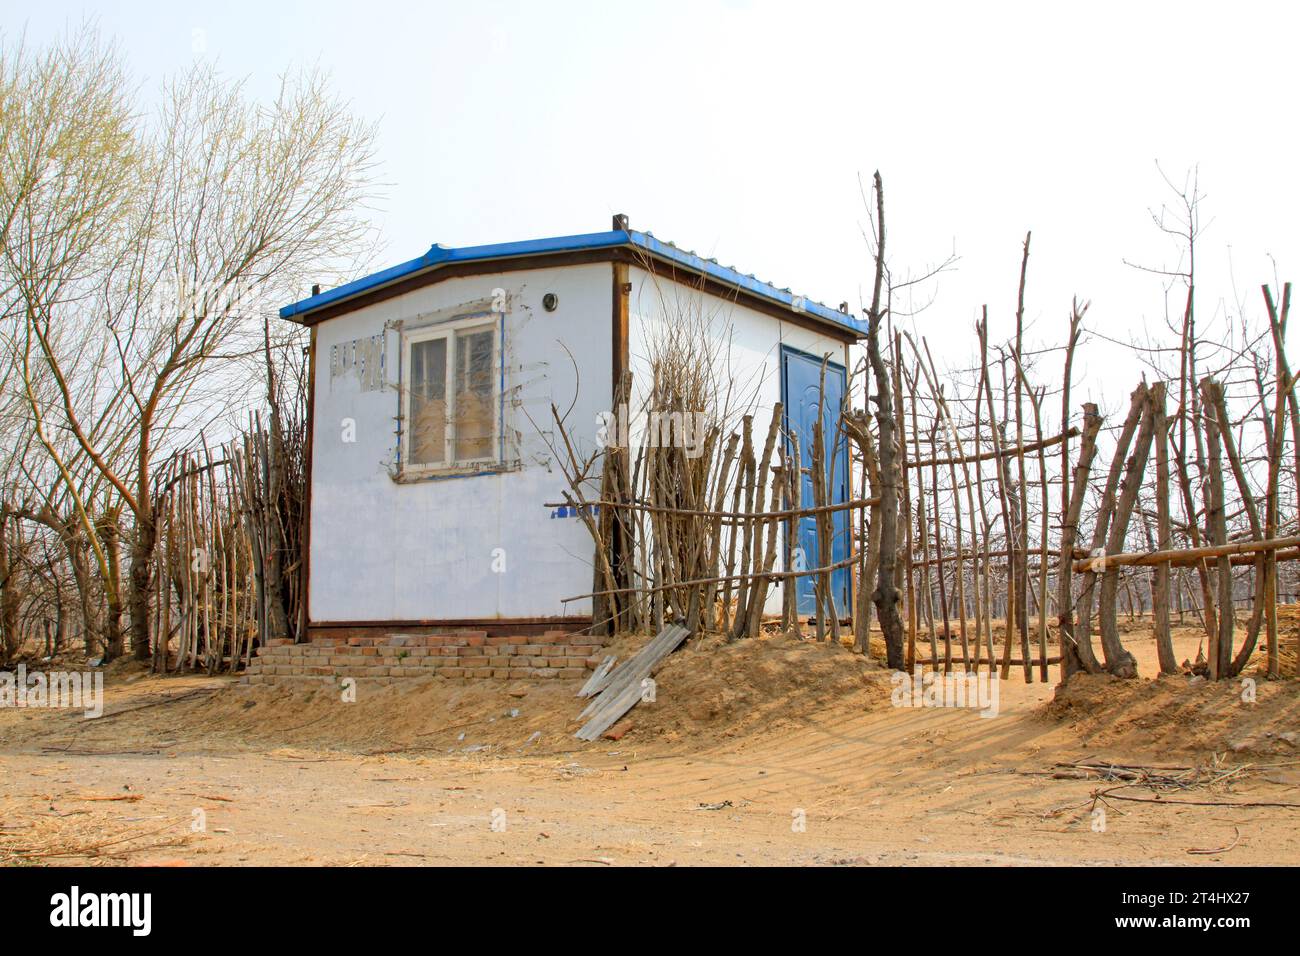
(800, 383)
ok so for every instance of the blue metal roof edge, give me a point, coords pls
(440, 255)
(730, 276)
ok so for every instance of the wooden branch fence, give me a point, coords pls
(230, 551)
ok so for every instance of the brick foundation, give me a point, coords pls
(458, 655)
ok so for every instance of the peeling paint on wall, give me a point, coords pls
(364, 358)
(575, 511)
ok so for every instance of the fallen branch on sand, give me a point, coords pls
(1154, 777)
(1112, 795)
(169, 699)
(1222, 849)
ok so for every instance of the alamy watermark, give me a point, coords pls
(71, 690)
(976, 691)
(75, 908)
(656, 428)
(176, 297)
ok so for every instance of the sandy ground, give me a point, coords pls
(198, 771)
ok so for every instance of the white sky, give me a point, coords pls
(740, 129)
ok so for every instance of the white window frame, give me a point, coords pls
(482, 321)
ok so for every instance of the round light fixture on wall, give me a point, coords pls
(550, 302)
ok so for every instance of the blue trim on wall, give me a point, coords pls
(438, 256)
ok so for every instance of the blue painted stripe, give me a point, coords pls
(438, 256)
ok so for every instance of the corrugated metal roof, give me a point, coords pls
(439, 256)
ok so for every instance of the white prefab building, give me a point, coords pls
(431, 433)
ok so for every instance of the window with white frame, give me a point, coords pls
(451, 395)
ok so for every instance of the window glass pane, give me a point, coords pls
(428, 425)
(474, 407)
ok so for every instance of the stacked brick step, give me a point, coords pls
(462, 655)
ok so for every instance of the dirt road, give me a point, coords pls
(850, 784)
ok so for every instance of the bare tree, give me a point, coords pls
(885, 596)
(147, 255)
